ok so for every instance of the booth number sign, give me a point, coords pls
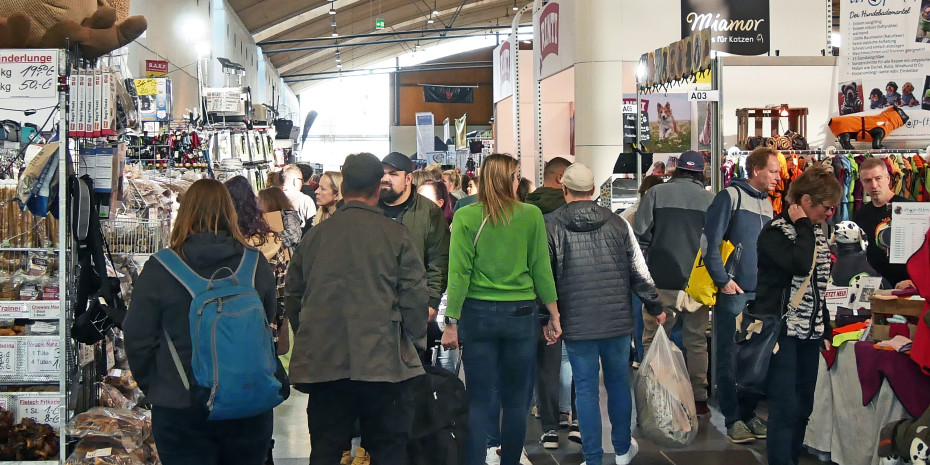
(704, 96)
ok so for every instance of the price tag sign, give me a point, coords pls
(43, 356)
(704, 96)
(45, 310)
(146, 86)
(8, 357)
(13, 310)
(5, 403)
(28, 73)
(42, 409)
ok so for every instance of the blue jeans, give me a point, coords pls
(791, 384)
(735, 406)
(498, 348)
(587, 358)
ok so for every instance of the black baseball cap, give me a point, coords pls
(361, 172)
(399, 161)
(691, 161)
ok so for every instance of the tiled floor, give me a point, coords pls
(292, 443)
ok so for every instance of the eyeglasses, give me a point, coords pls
(829, 209)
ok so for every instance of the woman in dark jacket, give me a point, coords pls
(793, 248)
(206, 236)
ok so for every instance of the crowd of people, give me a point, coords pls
(380, 269)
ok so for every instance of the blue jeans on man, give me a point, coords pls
(587, 358)
(735, 405)
(498, 348)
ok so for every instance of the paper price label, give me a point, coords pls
(43, 356)
(13, 310)
(105, 452)
(44, 409)
(8, 357)
(45, 310)
(28, 73)
(146, 86)
(4, 403)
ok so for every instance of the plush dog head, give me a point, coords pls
(908, 88)
(919, 451)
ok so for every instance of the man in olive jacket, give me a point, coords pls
(426, 222)
(356, 291)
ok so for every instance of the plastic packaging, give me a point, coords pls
(664, 399)
(128, 427)
(97, 450)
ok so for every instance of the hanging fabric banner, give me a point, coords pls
(460, 130)
(448, 94)
(502, 60)
(425, 134)
(885, 62)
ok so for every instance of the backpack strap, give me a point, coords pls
(183, 273)
(247, 267)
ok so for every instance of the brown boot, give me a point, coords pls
(361, 457)
(346, 458)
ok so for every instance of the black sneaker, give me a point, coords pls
(574, 434)
(564, 419)
(550, 440)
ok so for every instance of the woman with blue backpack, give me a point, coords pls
(198, 339)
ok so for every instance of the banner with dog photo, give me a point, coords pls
(669, 117)
(884, 71)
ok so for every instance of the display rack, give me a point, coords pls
(38, 357)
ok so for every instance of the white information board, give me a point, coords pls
(909, 224)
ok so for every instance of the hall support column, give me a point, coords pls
(598, 89)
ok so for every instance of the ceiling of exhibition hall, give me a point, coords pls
(298, 35)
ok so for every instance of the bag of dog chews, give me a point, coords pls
(664, 400)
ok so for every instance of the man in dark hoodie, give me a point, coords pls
(549, 358)
(737, 214)
(597, 264)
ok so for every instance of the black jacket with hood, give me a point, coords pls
(160, 302)
(596, 263)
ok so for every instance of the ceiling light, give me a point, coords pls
(515, 7)
(332, 10)
(335, 34)
(430, 20)
(338, 60)
(333, 24)
(339, 65)
(435, 10)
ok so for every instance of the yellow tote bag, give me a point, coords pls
(700, 287)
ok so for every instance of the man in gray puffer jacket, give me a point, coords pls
(597, 262)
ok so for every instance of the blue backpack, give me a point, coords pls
(233, 350)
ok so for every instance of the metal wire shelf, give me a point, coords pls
(134, 235)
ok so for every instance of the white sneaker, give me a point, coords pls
(626, 458)
(492, 458)
(524, 460)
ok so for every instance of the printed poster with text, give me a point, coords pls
(885, 62)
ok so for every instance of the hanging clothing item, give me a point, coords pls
(728, 170)
(858, 190)
(918, 267)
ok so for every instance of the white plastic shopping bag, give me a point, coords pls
(664, 400)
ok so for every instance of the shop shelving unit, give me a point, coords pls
(35, 359)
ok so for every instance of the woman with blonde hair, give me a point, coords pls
(794, 268)
(328, 196)
(498, 264)
(207, 238)
(453, 182)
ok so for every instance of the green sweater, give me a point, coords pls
(511, 261)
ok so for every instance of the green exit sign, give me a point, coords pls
(379, 23)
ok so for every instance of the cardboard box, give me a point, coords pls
(881, 333)
(897, 306)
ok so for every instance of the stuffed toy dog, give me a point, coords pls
(905, 441)
(98, 26)
(867, 127)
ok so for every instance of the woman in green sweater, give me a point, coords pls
(498, 264)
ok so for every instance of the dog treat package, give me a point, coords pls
(129, 428)
(99, 450)
(110, 397)
(664, 400)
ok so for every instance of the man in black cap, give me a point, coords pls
(668, 224)
(356, 352)
(427, 224)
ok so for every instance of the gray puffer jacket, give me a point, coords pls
(597, 262)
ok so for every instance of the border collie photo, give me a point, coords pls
(850, 98)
